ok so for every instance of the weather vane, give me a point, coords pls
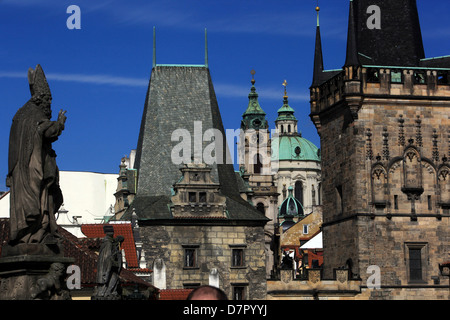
(285, 85)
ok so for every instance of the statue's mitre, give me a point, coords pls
(38, 82)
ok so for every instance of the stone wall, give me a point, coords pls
(342, 287)
(214, 246)
(385, 169)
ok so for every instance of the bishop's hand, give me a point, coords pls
(61, 117)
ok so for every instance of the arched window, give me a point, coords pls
(282, 129)
(260, 207)
(299, 191)
(289, 128)
(258, 164)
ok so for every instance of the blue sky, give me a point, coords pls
(100, 73)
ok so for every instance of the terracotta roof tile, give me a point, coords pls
(122, 229)
(174, 294)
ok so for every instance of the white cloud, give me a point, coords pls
(230, 90)
(221, 89)
(99, 79)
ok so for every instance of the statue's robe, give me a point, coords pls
(33, 176)
(105, 261)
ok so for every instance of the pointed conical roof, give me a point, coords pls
(318, 56)
(180, 97)
(397, 40)
(352, 48)
(286, 112)
(253, 104)
(254, 117)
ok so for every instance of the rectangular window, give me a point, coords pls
(430, 203)
(396, 202)
(238, 293)
(415, 264)
(442, 77)
(192, 197)
(419, 77)
(396, 76)
(190, 256)
(305, 229)
(237, 258)
(202, 197)
(373, 75)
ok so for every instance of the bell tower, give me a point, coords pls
(255, 168)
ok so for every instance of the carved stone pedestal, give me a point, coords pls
(33, 272)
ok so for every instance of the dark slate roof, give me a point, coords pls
(399, 41)
(318, 60)
(352, 56)
(438, 62)
(177, 97)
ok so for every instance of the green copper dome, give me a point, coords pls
(294, 147)
(290, 207)
(286, 112)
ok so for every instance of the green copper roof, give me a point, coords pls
(253, 104)
(291, 147)
(290, 206)
(254, 117)
(286, 112)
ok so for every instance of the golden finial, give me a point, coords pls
(285, 85)
(317, 10)
(253, 76)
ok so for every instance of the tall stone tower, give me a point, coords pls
(384, 124)
(193, 222)
(256, 169)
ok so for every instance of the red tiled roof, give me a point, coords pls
(174, 294)
(123, 229)
(83, 256)
(201, 217)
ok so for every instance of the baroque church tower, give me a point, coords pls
(383, 120)
(255, 167)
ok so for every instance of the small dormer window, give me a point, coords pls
(192, 197)
(297, 151)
